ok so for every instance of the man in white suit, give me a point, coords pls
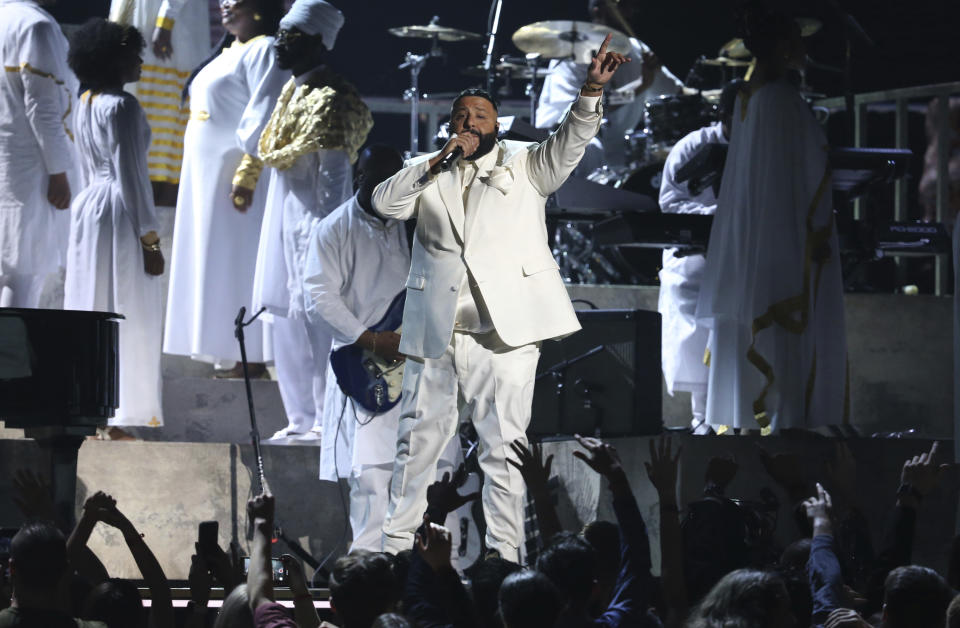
(482, 292)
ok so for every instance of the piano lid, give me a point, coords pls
(57, 367)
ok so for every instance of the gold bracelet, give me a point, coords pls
(593, 87)
(164, 22)
(248, 172)
(151, 247)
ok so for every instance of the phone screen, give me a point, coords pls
(279, 571)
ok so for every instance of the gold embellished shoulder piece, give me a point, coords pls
(326, 112)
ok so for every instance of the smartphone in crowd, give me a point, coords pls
(279, 571)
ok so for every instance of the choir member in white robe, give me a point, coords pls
(219, 205)
(772, 293)
(646, 77)
(178, 40)
(684, 343)
(37, 94)
(311, 140)
(114, 255)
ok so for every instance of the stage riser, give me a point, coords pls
(168, 488)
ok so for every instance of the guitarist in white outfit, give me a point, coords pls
(482, 292)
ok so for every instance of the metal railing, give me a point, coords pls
(901, 99)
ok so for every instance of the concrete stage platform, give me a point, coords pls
(197, 467)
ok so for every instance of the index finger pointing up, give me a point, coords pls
(603, 46)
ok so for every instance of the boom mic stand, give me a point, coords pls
(261, 479)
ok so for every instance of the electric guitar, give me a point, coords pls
(364, 376)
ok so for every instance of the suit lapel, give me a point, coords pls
(448, 184)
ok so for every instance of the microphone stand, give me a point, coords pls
(261, 479)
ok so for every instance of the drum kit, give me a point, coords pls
(666, 118)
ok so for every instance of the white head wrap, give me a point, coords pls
(314, 17)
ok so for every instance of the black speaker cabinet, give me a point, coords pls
(604, 380)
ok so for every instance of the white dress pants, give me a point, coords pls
(301, 353)
(497, 380)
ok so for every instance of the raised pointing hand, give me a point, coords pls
(605, 63)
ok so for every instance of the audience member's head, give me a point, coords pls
(604, 537)
(571, 564)
(528, 599)
(953, 613)
(117, 603)
(915, 597)
(486, 576)
(745, 598)
(235, 612)
(38, 559)
(362, 587)
(391, 620)
(795, 556)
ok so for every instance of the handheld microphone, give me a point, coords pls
(451, 157)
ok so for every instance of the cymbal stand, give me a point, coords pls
(415, 63)
(531, 90)
(494, 22)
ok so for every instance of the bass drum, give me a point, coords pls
(643, 180)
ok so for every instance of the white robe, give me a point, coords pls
(683, 342)
(778, 342)
(37, 94)
(214, 245)
(105, 260)
(560, 88)
(356, 265)
(162, 80)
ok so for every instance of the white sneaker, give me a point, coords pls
(286, 433)
(699, 427)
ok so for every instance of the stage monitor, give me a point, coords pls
(604, 380)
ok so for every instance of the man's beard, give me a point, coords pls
(487, 142)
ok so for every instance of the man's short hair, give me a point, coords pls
(362, 587)
(916, 596)
(477, 93)
(39, 555)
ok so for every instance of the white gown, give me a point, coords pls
(162, 80)
(778, 340)
(37, 95)
(683, 341)
(214, 245)
(560, 88)
(104, 259)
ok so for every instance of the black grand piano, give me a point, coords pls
(58, 381)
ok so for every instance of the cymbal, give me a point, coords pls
(709, 95)
(808, 25)
(429, 31)
(513, 70)
(736, 49)
(568, 39)
(726, 61)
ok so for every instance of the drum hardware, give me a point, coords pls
(414, 62)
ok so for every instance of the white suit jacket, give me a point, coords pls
(501, 237)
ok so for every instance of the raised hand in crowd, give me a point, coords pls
(786, 470)
(601, 457)
(663, 471)
(304, 611)
(433, 543)
(260, 574)
(845, 618)
(199, 582)
(720, 472)
(819, 509)
(443, 496)
(32, 495)
(536, 475)
(919, 477)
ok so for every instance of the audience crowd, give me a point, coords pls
(720, 565)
